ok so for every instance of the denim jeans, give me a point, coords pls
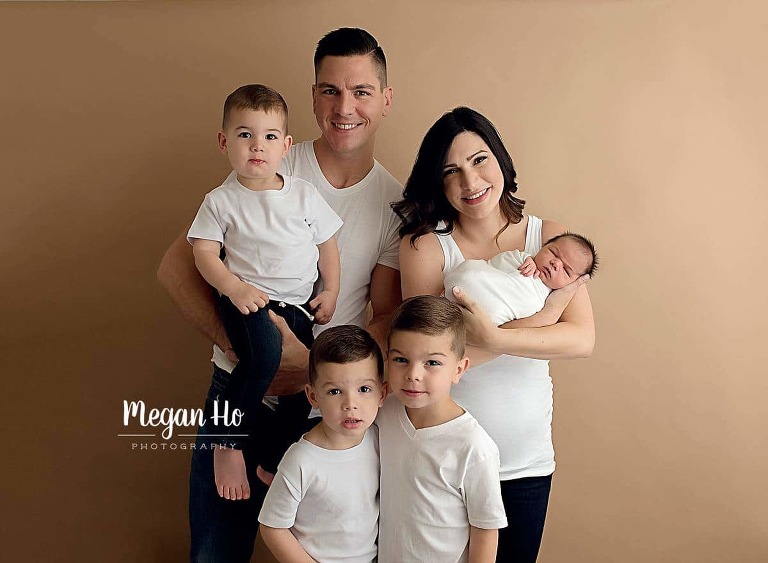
(525, 502)
(258, 345)
(224, 531)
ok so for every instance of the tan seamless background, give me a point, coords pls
(640, 123)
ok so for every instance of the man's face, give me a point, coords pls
(349, 102)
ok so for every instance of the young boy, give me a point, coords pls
(277, 232)
(513, 284)
(323, 504)
(440, 492)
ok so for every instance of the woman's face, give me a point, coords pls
(472, 178)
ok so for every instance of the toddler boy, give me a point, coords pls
(323, 503)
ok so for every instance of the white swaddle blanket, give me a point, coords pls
(497, 286)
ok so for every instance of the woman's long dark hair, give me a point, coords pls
(424, 203)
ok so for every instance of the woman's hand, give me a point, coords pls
(479, 326)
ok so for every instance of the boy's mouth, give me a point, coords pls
(351, 422)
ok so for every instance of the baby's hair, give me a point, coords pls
(343, 345)
(427, 314)
(587, 248)
(256, 97)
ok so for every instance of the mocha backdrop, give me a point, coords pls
(641, 123)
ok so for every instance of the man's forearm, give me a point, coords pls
(190, 292)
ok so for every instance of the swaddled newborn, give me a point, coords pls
(497, 286)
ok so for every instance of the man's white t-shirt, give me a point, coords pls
(369, 235)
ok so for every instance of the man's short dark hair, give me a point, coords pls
(427, 314)
(352, 42)
(344, 344)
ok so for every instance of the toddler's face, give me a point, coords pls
(255, 142)
(348, 396)
(561, 262)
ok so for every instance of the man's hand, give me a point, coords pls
(247, 298)
(294, 364)
(323, 306)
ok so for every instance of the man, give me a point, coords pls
(350, 97)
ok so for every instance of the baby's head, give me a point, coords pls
(425, 351)
(346, 372)
(254, 131)
(565, 258)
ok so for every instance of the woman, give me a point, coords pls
(459, 204)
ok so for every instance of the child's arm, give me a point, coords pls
(528, 268)
(284, 545)
(244, 296)
(329, 266)
(482, 545)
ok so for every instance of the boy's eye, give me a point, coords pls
(271, 137)
(433, 363)
(366, 389)
(334, 391)
(400, 360)
(244, 135)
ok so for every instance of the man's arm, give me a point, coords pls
(385, 298)
(190, 292)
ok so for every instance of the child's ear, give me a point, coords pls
(384, 393)
(311, 395)
(222, 142)
(287, 142)
(461, 367)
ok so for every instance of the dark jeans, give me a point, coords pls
(257, 343)
(223, 531)
(525, 501)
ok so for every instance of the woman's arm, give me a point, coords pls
(573, 336)
(421, 273)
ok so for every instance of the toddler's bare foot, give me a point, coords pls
(231, 480)
(264, 476)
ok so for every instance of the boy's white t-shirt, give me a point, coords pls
(369, 235)
(498, 287)
(270, 236)
(435, 483)
(329, 499)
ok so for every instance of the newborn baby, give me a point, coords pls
(514, 284)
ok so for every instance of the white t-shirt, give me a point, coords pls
(329, 499)
(270, 236)
(367, 238)
(435, 483)
(498, 286)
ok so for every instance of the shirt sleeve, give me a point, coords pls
(482, 494)
(283, 498)
(390, 253)
(322, 220)
(207, 224)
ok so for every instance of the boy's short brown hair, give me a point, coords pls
(344, 344)
(258, 98)
(427, 314)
